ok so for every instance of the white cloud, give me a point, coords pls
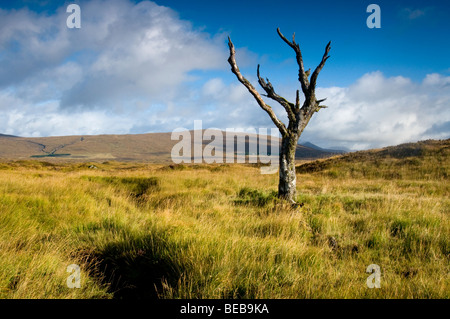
(379, 111)
(123, 50)
(214, 87)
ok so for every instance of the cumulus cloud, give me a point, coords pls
(379, 111)
(122, 51)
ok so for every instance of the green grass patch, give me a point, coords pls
(249, 196)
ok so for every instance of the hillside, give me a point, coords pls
(152, 147)
(424, 159)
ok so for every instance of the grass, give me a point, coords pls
(218, 231)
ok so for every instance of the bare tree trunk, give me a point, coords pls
(287, 186)
(298, 116)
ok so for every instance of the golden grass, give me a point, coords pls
(218, 231)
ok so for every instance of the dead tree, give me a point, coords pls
(298, 116)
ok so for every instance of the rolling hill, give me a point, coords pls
(421, 160)
(151, 147)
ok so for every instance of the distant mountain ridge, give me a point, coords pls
(150, 147)
(338, 150)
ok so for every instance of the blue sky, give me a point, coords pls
(140, 66)
(411, 44)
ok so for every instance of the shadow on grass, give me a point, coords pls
(136, 268)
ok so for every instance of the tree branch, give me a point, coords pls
(253, 91)
(289, 107)
(302, 75)
(319, 67)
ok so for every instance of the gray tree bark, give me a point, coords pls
(298, 116)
